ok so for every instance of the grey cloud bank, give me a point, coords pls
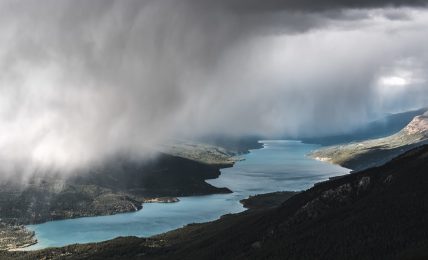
(83, 80)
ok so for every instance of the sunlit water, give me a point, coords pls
(279, 166)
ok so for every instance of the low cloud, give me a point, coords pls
(81, 81)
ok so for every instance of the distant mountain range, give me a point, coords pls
(375, 152)
(383, 127)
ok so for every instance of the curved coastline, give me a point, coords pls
(34, 244)
(243, 170)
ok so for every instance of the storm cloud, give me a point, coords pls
(83, 80)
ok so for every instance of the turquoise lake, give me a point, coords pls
(279, 166)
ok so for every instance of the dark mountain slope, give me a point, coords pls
(380, 213)
(120, 186)
(164, 176)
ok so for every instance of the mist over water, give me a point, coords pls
(82, 81)
(279, 166)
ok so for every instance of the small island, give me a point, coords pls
(161, 200)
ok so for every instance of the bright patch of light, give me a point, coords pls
(393, 81)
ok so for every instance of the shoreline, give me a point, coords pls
(232, 159)
(294, 229)
(253, 202)
(258, 201)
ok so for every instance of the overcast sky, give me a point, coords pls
(83, 80)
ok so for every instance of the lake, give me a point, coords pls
(279, 166)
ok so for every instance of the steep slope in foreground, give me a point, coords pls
(371, 153)
(379, 213)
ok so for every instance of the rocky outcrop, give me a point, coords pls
(418, 126)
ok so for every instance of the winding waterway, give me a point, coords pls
(278, 166)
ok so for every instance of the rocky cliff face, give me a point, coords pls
(419, 125)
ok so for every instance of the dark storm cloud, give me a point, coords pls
(84, 80)
(311, 5)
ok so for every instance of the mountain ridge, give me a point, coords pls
(375, 152)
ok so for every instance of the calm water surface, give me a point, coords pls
(279, 166)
